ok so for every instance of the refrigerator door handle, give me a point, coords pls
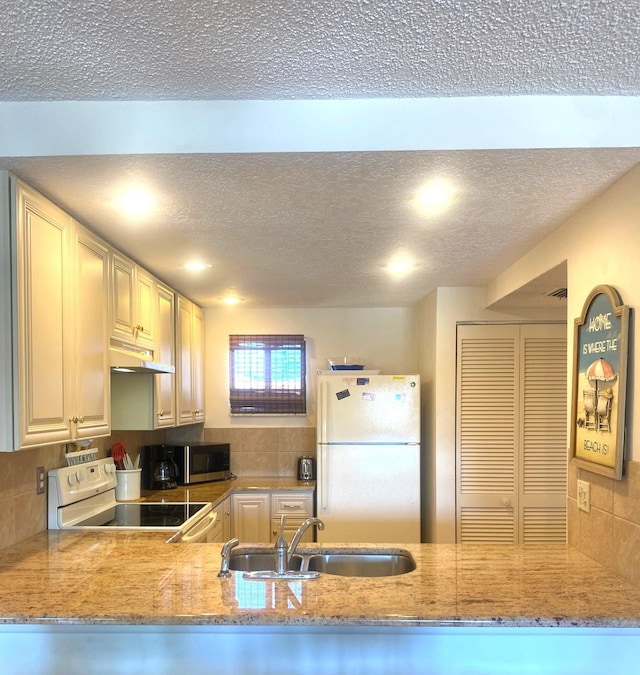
(323, 477)
(322, 407)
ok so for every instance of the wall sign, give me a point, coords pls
(600, 383)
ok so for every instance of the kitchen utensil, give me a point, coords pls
(118, 453)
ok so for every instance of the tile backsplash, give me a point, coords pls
(610, 532)
(265, 451)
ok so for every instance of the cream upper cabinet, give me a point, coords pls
(60, 380)
(165, 384)
(91, 414)
(189, 362)
(45, 327)
(133, 304)
(197, 351)
(149, 401)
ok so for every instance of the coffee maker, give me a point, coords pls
(159, 470)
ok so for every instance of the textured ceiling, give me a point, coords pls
(316, 229)
(115, 49)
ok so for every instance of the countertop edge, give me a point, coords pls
(323, 621)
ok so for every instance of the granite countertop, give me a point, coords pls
(113, 578)
(215, 492)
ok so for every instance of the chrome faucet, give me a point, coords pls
(309, 522)
(226, 557)
(281, 564)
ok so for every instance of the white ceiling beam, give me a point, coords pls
(52, 128)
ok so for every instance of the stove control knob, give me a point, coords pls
(80, 475)
(71, 479)
(109, 468)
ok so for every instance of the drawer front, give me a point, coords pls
(295, 504)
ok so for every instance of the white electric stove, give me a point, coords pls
(82, 497)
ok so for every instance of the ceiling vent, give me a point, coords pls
(560, 293)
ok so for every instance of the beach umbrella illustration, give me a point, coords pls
(600, 371)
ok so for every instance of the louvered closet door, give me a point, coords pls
(511, 433)
(543, 434)
(487, 434)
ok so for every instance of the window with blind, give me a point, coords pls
(267, 375)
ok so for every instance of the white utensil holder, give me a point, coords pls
(128, 484)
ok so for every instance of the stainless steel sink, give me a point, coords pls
(362, 564)
(254, 561)
(339, 561)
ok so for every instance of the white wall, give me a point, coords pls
(601, 244)
(439, 314)
(385, 339)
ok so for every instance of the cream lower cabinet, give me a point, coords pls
(58, 367)
(297, 506)
(251, 516)
(255, 516)
(222, 529)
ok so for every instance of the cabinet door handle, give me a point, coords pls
(291, 506)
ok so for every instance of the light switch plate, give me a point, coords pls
(584, 496)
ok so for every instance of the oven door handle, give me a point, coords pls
(201, 530)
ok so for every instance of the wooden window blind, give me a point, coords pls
(267, 375)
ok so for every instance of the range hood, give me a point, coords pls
(129, 360)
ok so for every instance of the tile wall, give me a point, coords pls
(610, 532)
(23, 511)
(255, 452)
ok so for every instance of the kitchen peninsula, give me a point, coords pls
(114, 602)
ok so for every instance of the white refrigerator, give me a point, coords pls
(368, 458)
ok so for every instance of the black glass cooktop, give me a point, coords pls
(143, 515)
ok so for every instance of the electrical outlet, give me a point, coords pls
(584, 496)
(40, 479)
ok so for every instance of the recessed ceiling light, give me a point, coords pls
(231, 300)
(400, 267)
(434, 196)
(136, 202)
(197, 266)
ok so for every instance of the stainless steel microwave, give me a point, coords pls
(200, 462)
